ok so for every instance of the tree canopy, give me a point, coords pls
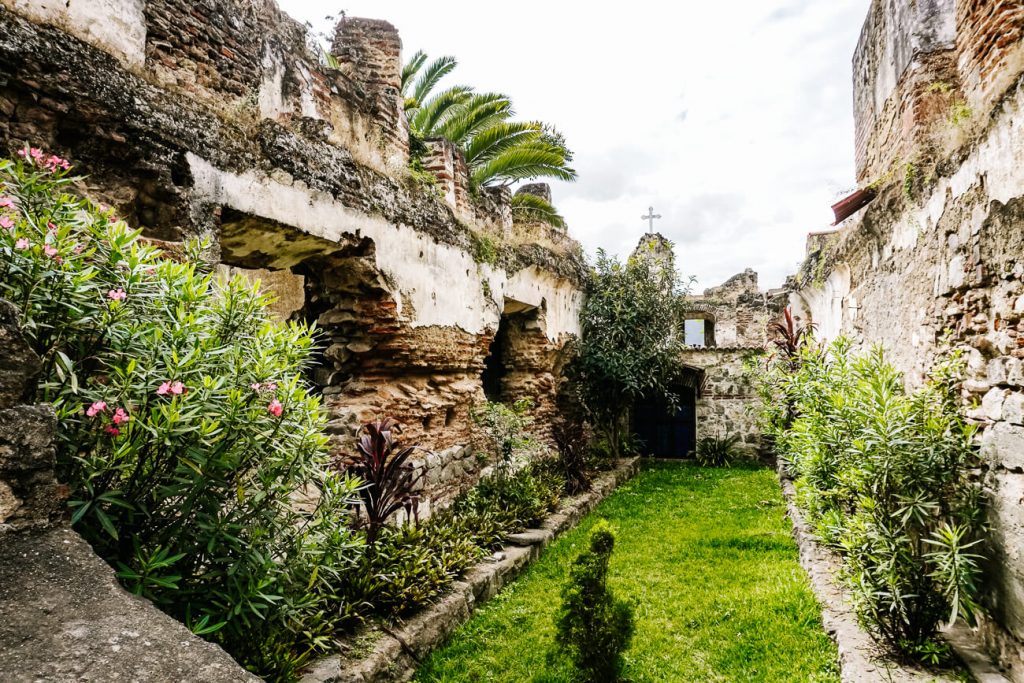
(632, 335)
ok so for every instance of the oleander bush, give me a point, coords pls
(185, 427)
(884, 475)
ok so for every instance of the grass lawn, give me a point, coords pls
(706, 558)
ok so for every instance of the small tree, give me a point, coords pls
(632, 336)
(506, 430)
(593, 627)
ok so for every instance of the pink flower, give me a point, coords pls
(255, 386)
(270, 386)
(95, 408)
(21, 153)
(22, 243)
(275, 408)
(6, 203)
(54, 162)
(112, 430)
(120, 416)
(50, 250)
(176, 388)
(116, 294)
(6, 223)
(51, 227)
(36, 153)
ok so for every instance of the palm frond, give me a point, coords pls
(525, 161)
(433, 112)
(530, 207)
(477, 113)
(409, 71)
(495, 139)
(434, 72)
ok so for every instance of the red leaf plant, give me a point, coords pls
(388, 476)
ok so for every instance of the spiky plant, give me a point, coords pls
(390, 479)
(531, 208)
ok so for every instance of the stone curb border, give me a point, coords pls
(397, 652)
(860, 660)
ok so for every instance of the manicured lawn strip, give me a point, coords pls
(706, 557)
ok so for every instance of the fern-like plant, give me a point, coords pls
(717, 451)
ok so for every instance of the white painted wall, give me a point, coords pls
(118, 27)
(443, 283)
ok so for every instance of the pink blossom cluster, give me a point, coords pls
(6, 203)
(118, 295)
(119, 417)
(275, 408)
(50, 162)
(6, 223)
(171, 387)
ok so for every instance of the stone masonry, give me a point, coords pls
(218, 119)
(739, 314)
(936, 258)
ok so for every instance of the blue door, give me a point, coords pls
(663, 433)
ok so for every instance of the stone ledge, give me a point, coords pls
(860, 659)
(63, 617)
(396, 651)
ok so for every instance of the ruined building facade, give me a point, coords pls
(937, 258)
(218, 120)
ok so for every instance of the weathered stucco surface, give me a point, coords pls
(939, 255)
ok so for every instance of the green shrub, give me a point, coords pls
(593, 626)
(185, 426)
(884, 476)
(717, 451)
(505, 429)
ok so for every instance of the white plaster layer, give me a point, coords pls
(118, 27)
(443, 284)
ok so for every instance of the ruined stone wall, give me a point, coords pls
(740, 313)
(940, 256)
(905, 73)
(227, 125)
(728, 401)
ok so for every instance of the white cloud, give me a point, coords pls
(733, 119)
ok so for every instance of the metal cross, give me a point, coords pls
(650, 218)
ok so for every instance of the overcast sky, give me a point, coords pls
(733, 119)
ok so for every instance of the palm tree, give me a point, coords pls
(498, 150)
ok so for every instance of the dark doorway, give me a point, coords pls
(494, 372)
(663, 433)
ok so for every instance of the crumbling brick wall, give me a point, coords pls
(936, 262)
(231, 128)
